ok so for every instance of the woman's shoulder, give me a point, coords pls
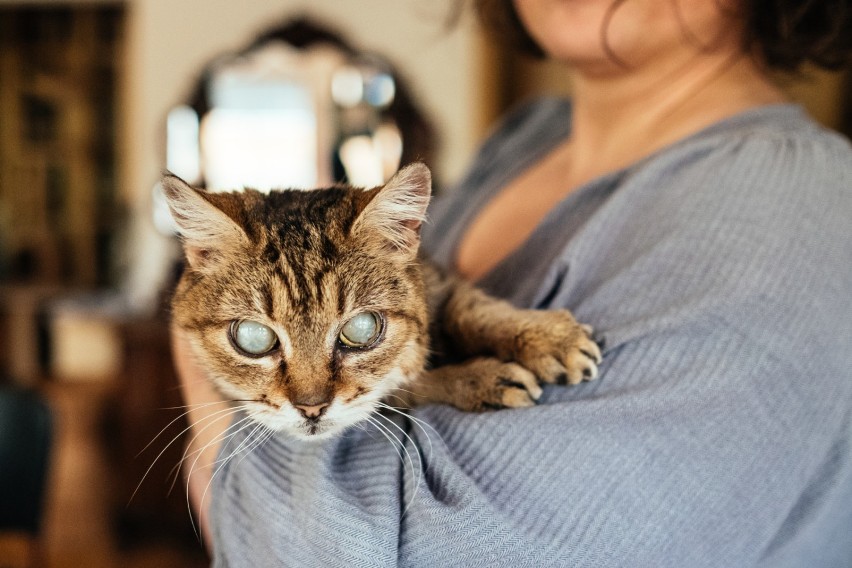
(760, 170)
(778, 143)
(750, 214)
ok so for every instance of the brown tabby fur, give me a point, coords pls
(304, 262)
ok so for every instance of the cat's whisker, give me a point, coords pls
(422, 424)
(399, 398)
(235, 409)
(222, 414)
(175, 471)
(405, 434)
(419, 421)
(397, 444)
(268, 437)
(262, 438)
(360, 426)
(394, 441)
(414, 422)
(240, 424)
(190, 408)
(173, 440)
(240, 448)
(412, 393)
(223, 461)
(418, 478)
(224, 436)
(185, 383)
(201, 404)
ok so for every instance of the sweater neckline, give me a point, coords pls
(775, 114)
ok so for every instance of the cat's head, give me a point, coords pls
(307, 306)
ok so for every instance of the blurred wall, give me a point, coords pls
(168, 41)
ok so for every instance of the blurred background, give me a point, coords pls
(97, 98)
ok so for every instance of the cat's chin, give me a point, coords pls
(315, 434)
(322, 430)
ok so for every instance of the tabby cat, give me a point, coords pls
(314, 306)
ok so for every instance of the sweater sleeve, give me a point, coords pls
(718, 433)
(720, 278)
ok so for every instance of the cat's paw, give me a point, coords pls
(491, 384)
(556, 348)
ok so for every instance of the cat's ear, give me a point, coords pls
(397, 210)
(206, 230)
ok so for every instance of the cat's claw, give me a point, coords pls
(518, 387)
(493, 385)
(556, 348)
(583, 359)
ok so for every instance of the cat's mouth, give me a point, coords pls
(316, 429)
(277, 418)
(284, 418)
(313, 428)
(313, 425)
(323, 427)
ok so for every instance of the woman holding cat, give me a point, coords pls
(681, 205)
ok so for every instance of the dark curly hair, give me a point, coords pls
(786, 33)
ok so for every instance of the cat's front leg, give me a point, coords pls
(550, 343)
(484, 383)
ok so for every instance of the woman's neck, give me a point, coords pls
(620, 118)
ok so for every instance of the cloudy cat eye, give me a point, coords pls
(362, 331)
(251, 338)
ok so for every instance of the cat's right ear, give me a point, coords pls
(206, 231)
(397, 210)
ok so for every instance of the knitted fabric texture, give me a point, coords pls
(719, 273)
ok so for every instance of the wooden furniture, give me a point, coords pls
(145, 406)
(59, 68)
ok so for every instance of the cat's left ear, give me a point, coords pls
(398, 210)
(206, 230)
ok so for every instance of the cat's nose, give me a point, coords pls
(312, 411)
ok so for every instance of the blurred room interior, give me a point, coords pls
(97, 98)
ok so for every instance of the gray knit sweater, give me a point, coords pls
(719, 273)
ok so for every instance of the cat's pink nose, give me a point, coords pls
(312, 411)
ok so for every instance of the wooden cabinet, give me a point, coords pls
(59, 68)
